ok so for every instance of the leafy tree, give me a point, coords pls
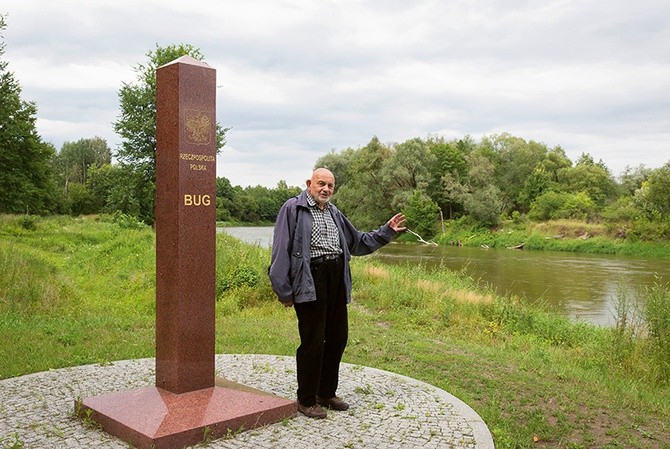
(365, 198)
(422, 213)
(515, 161)
(555, 161)
(281, 194)
(578, 205)
(26, 179)
(482, 200)
(339, 164)
(115, 189)
(592, 178)
(453, 192)
(79, 200)
(632, 179)
(259, 203)
(545, 206)
(223, 188)
(409, 167)
(484, 205)
(623, 211)
(137, 123)
(450, 165)
(267, 202)
(223, 210)
(535, 185)
(450, 156)
(73, 161)
(225, 194)
(103, 183)
(654, 194)
(247, 205)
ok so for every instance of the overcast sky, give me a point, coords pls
(299, 78)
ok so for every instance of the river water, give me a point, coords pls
(580, 286)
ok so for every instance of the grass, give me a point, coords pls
(68, 287)
(554, 235)
(77, 291)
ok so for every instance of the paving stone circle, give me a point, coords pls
(387, 410)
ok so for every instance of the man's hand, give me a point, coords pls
(288, 304)
(397, 223)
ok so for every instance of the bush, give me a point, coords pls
(578, 205)
(421, 213)
(28, 222)
(622, 210)
(643, 229)
(126, 221)
(79, 200)
(241, 273)
(484, 206)
(517, 217)
(555, 205)
(545, 206)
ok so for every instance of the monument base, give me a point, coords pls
(151, 417)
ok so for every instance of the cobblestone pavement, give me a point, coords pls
(387, 410)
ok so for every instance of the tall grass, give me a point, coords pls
(641, 335)
(241, 275)
(658, 321)
(74, 291)
(28, 282)
(628, 328)
(77, 291)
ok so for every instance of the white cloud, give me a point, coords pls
(298, 78)
(71, 75)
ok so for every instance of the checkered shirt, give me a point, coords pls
(325, 239)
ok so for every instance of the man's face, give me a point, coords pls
(321, 186)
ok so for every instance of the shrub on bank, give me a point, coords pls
(563, 235)
(241, 273)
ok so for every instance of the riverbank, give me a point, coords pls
(78, 291)
(555, 235)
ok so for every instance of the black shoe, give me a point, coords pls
(315, 411)
(333, 403)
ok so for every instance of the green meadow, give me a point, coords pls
(77, 291)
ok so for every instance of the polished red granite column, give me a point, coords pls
(185, 225)
(187, 403)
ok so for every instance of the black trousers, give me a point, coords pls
(323, 328)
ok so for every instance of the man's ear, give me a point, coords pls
(308, 183)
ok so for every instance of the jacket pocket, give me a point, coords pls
(296, 271)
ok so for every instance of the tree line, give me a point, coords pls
(81, 177)
(496, 178)
(482, 182)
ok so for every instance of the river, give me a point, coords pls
(580, 286)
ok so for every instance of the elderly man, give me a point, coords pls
(312, 245)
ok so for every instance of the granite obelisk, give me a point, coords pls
(187, 403)
(185, 225)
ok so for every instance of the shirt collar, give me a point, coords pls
(312, 202)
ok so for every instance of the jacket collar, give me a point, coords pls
(302, 199)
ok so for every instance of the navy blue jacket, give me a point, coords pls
(290, 272)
